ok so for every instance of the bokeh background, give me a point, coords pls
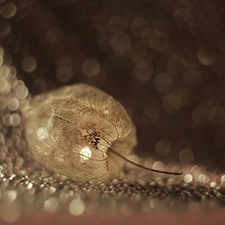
(164, 60)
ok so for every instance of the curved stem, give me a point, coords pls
(143, 167)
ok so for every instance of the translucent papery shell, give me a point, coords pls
(70, 131)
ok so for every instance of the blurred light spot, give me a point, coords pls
(64, 73)
(157, 43)
(42, 133)
(90, 67)
(91, 208)
(1, 60)
(163, 147)
(171, 103)
(222, 43)
(13, 104)
(22, 92)
(217, 115)
(17, 84)
(39, 85)
(162, 27)
(16, 119)
(3, 102)
(186, 155)
(219, 66)
(10, 213)
(189, 61)
(29, 186)
(201, 178)
(85, 153)
(158, 165)
(12, 71)
(192, 78)
(183, 94)
(1, 51)
(54, 35)
(7, 120)
(206, 52)
(5, 86)
(213, 184)
(138, 25)
(135, 159)
(4, 72)
(188, 3)
(175, 65)
(100, 20)
(126, 210)
(200, 115)
(143, 74)
(142, 64)
(29, 64)
(5, 28)
(192, 18)
(188, 178)
(8, 10)
(209, 15)
(51, 204)
(117, 24)
(9, 196)
(120, 42)
(163, 82)
(223, 178)
(76, 208)
(152, 112)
